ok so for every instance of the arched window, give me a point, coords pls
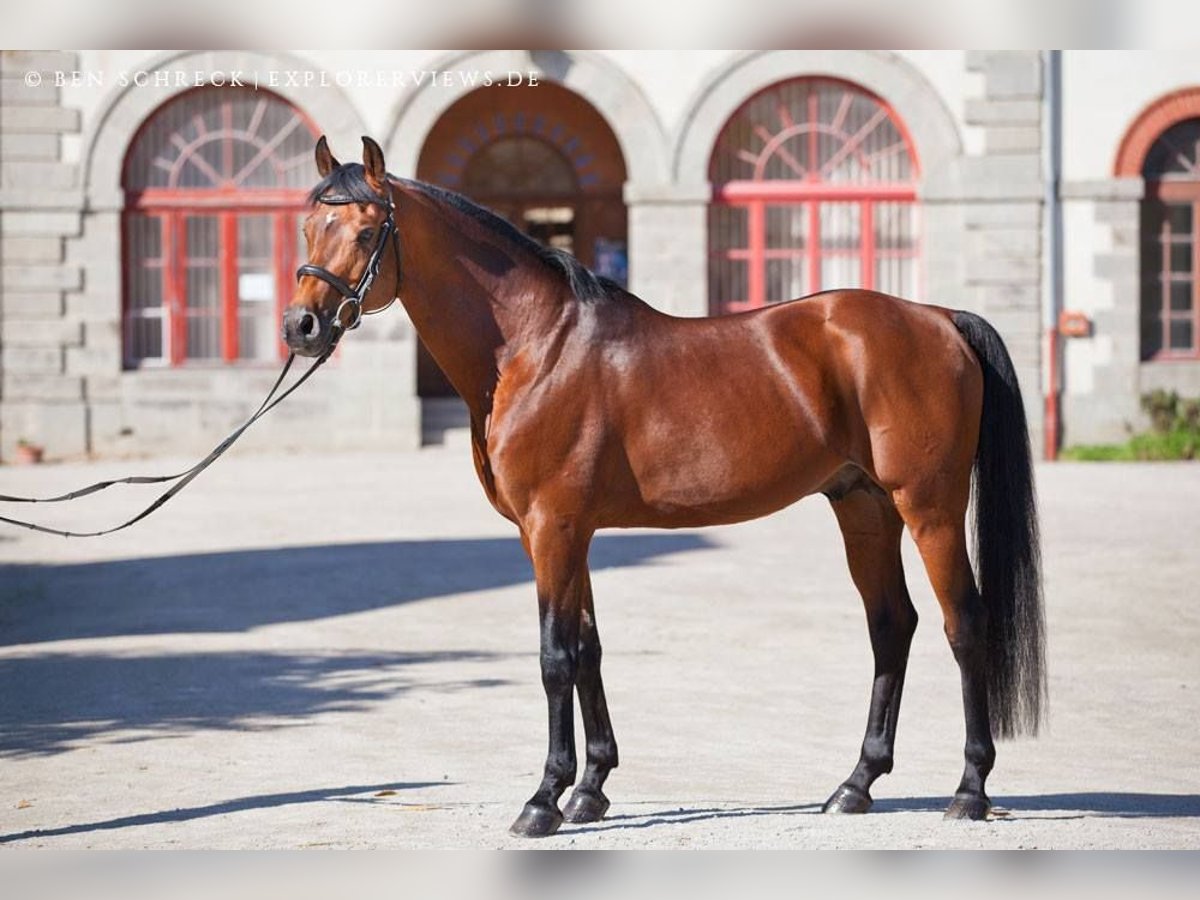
(215, 184)
(1171, 244)
(814, 187)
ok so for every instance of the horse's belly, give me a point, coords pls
(713, 466)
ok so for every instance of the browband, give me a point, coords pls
(345, 199)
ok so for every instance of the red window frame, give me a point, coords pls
(172, 208)
(808, 191)
(225, 199)
(1156, 285)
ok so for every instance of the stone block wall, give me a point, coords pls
(63, 384)
(42, 400)
(1002, 197)
(668, 235)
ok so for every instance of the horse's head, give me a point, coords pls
(353, 252)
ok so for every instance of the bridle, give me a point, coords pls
(353, 297)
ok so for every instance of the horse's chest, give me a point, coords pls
(487, 474)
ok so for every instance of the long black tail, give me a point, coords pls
(1007, 551)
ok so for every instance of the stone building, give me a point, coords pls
(149, 204)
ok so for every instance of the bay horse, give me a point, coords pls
(590, 409)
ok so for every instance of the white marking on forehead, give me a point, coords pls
(329, 219)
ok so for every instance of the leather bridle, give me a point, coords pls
(353, 297)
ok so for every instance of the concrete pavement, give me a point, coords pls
(305, 651)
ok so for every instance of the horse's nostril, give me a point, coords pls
(308, 325)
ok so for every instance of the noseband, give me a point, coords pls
(353, 297)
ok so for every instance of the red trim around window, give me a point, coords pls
(800, 191)
(187, 159)
(821, 141)
(1161, 196)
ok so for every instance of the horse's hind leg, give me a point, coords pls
(871, 530)
(588, 803)
(940, 534)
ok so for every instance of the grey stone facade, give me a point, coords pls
(43, 398)
(976, 121)
(64, 385)
(1001, 193)
(1111, 409)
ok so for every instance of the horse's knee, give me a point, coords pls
(590, 651)
(896, 621)
(559, 666)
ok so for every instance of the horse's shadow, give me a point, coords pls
(1088, 805)
(1083, 804)
(1104, 804)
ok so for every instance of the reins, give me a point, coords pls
(182, 479)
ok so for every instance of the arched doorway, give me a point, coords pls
(814, 187)
(215, 183)
(543, 158)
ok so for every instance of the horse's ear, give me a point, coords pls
(325, 161)
(374, 169)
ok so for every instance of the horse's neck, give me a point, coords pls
(467, 298)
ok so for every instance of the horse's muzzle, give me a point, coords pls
(305, 332)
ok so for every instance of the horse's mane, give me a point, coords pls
(349, 180)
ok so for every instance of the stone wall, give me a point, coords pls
(982, 196)
(1106, 376)
(64, 385)
(42, 400)
(1001, 193)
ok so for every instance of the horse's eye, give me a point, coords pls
(364, 236)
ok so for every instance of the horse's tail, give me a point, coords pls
(1007, 552)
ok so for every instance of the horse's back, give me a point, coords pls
(735, 416)
(715, 423)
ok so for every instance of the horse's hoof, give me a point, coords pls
(972, 807)
(585, 806)
(847, 799)
(537, 821)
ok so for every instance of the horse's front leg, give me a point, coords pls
(588, 803)
(559, 553)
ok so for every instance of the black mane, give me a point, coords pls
(348, 180)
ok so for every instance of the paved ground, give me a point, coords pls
(340, 651)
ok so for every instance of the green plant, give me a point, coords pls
(1174, 433)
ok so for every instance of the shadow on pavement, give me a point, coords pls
(687, 815)
(262, 801)
(237, 591)
(54, 701)
(1101, 804)
(1086, 804)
